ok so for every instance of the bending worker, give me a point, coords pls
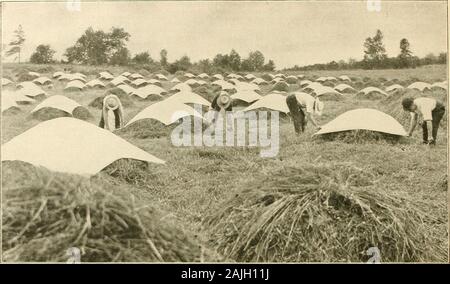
(429, 112)
(303, 107)
(111, 107)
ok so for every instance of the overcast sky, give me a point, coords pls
(290, 33)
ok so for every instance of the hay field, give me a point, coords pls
(196, 181)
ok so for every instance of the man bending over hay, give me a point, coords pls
(430, 113)
(302, 107)
(111, 106)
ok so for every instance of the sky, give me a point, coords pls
(289, 32)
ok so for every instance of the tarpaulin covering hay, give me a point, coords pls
(48, 113)
(321, 213)
(45, 214)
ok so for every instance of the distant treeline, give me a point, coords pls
(387, 63)
(375, 57)
(97, 47)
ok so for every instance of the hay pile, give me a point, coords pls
(291, 80)
(266, 77)
(131, 171)
(24, 77)
(45, 214)
(281, 87)
(124, 99)
(370, 96)
(48, 113)
(206, 93)
(151, 128)
(321, 213)
(331, 97)
(146, 128)
(361, 136)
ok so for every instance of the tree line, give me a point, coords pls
(97, 47)
(375, 57)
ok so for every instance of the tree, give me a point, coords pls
(99, 47)
(442, 58)
(405, 56)
(430, 58)
(142, 58)
(163, 61)
(269, 66)
(42, 55)
(234, 60)
(256, 60)
(116, 41)
(15, 46)
(246, 65)
(222, 61)
(183, 64)
(205, 66)
(120, 57)
(374, 53)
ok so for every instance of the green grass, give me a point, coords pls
(195, 181)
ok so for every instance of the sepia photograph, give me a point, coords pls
(224, 132)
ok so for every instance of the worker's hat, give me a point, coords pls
(224, 100)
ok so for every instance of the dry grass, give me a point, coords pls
(51, 113)
(321, 213)
(197, 180)
(49, 213)
(281, 87)
(361, 137)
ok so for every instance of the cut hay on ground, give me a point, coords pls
(45, 214)
(321, 213)
(131, 171)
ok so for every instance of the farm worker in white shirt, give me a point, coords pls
(430, 113)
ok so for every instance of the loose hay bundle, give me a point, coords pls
(131, 171)
(47, 214)
(321, 213)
